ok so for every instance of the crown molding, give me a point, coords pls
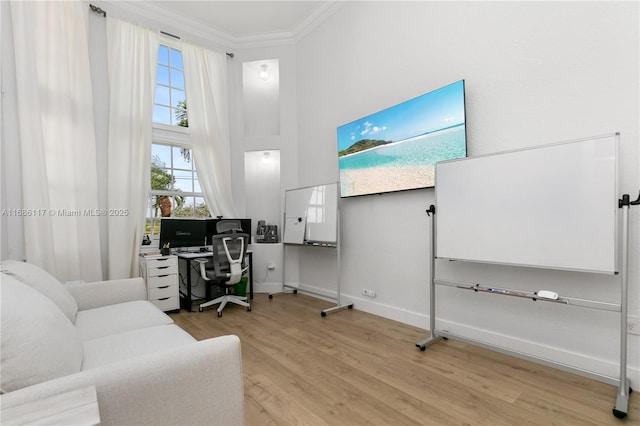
(321, 14)
(151, 15)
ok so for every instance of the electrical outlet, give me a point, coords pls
(633, 325)
(368, 293)
(271, 266)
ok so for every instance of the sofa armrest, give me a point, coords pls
(193, 384)
(103, 293)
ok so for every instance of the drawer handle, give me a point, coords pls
(165, 298)
(165, 275)
(163, 267)
(166, 286)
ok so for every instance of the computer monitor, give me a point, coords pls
(245, 224)
(183, 232)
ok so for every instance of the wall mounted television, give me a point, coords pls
(396, 149)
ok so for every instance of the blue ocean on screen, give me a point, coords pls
(422, 150)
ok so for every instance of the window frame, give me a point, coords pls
(172, 136)
(174, 44)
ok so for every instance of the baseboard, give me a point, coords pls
(267, 287)
(421, 320)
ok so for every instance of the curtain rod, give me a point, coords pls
(96, 9)
(99, 11)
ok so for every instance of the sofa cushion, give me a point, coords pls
(36, 277)
(113, 319)
(39, 343)
(134, 343)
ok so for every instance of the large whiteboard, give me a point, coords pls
(553, 206)
(316, 209)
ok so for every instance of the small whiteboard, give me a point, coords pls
(294, 230)
(553, 206)
(317, 208)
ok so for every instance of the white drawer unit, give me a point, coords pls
(161, 276)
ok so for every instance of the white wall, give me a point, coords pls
(284, 140)
(536, 72)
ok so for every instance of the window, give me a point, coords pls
(170, 106)
(175, 187)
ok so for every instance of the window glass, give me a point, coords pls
(175, 189)
(170, 98)
(177, 96)
(163, 152)
(183, 180)
(162, 95)
(175, 58)
(177, 78)
(162, 75)
(161, 115)
(182, 158)
(163, 55)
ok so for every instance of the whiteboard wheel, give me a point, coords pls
(619, 414)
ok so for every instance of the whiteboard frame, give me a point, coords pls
(293, 221)
(303, 215)
(615, 266)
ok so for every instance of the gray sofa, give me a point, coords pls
(146, 370)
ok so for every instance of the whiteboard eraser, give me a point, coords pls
(546, 294)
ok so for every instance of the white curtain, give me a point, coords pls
(208, 111)
(57, 138)
(132, 57)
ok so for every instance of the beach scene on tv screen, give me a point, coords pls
(397, 148)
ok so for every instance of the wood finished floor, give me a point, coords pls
(354, 368)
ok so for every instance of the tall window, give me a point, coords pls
(170, 102)
(175, 187)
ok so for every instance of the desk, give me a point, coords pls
(185, 299)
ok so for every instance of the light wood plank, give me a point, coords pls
(352, 368)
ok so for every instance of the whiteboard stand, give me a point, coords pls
(624, 389)
(339, 306)
(433, 337)
(320, 203)
(622, 400)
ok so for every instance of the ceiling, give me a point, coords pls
(242, 18)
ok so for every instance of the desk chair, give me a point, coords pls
(229, 253)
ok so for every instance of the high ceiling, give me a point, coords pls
(241, 19)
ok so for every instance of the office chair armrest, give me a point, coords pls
(103, 293)
(203, 270)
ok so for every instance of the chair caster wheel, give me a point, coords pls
(248, 308)
(219, 314)
(323, 314)
(200, 309)
(271, 296)
(295, 291)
